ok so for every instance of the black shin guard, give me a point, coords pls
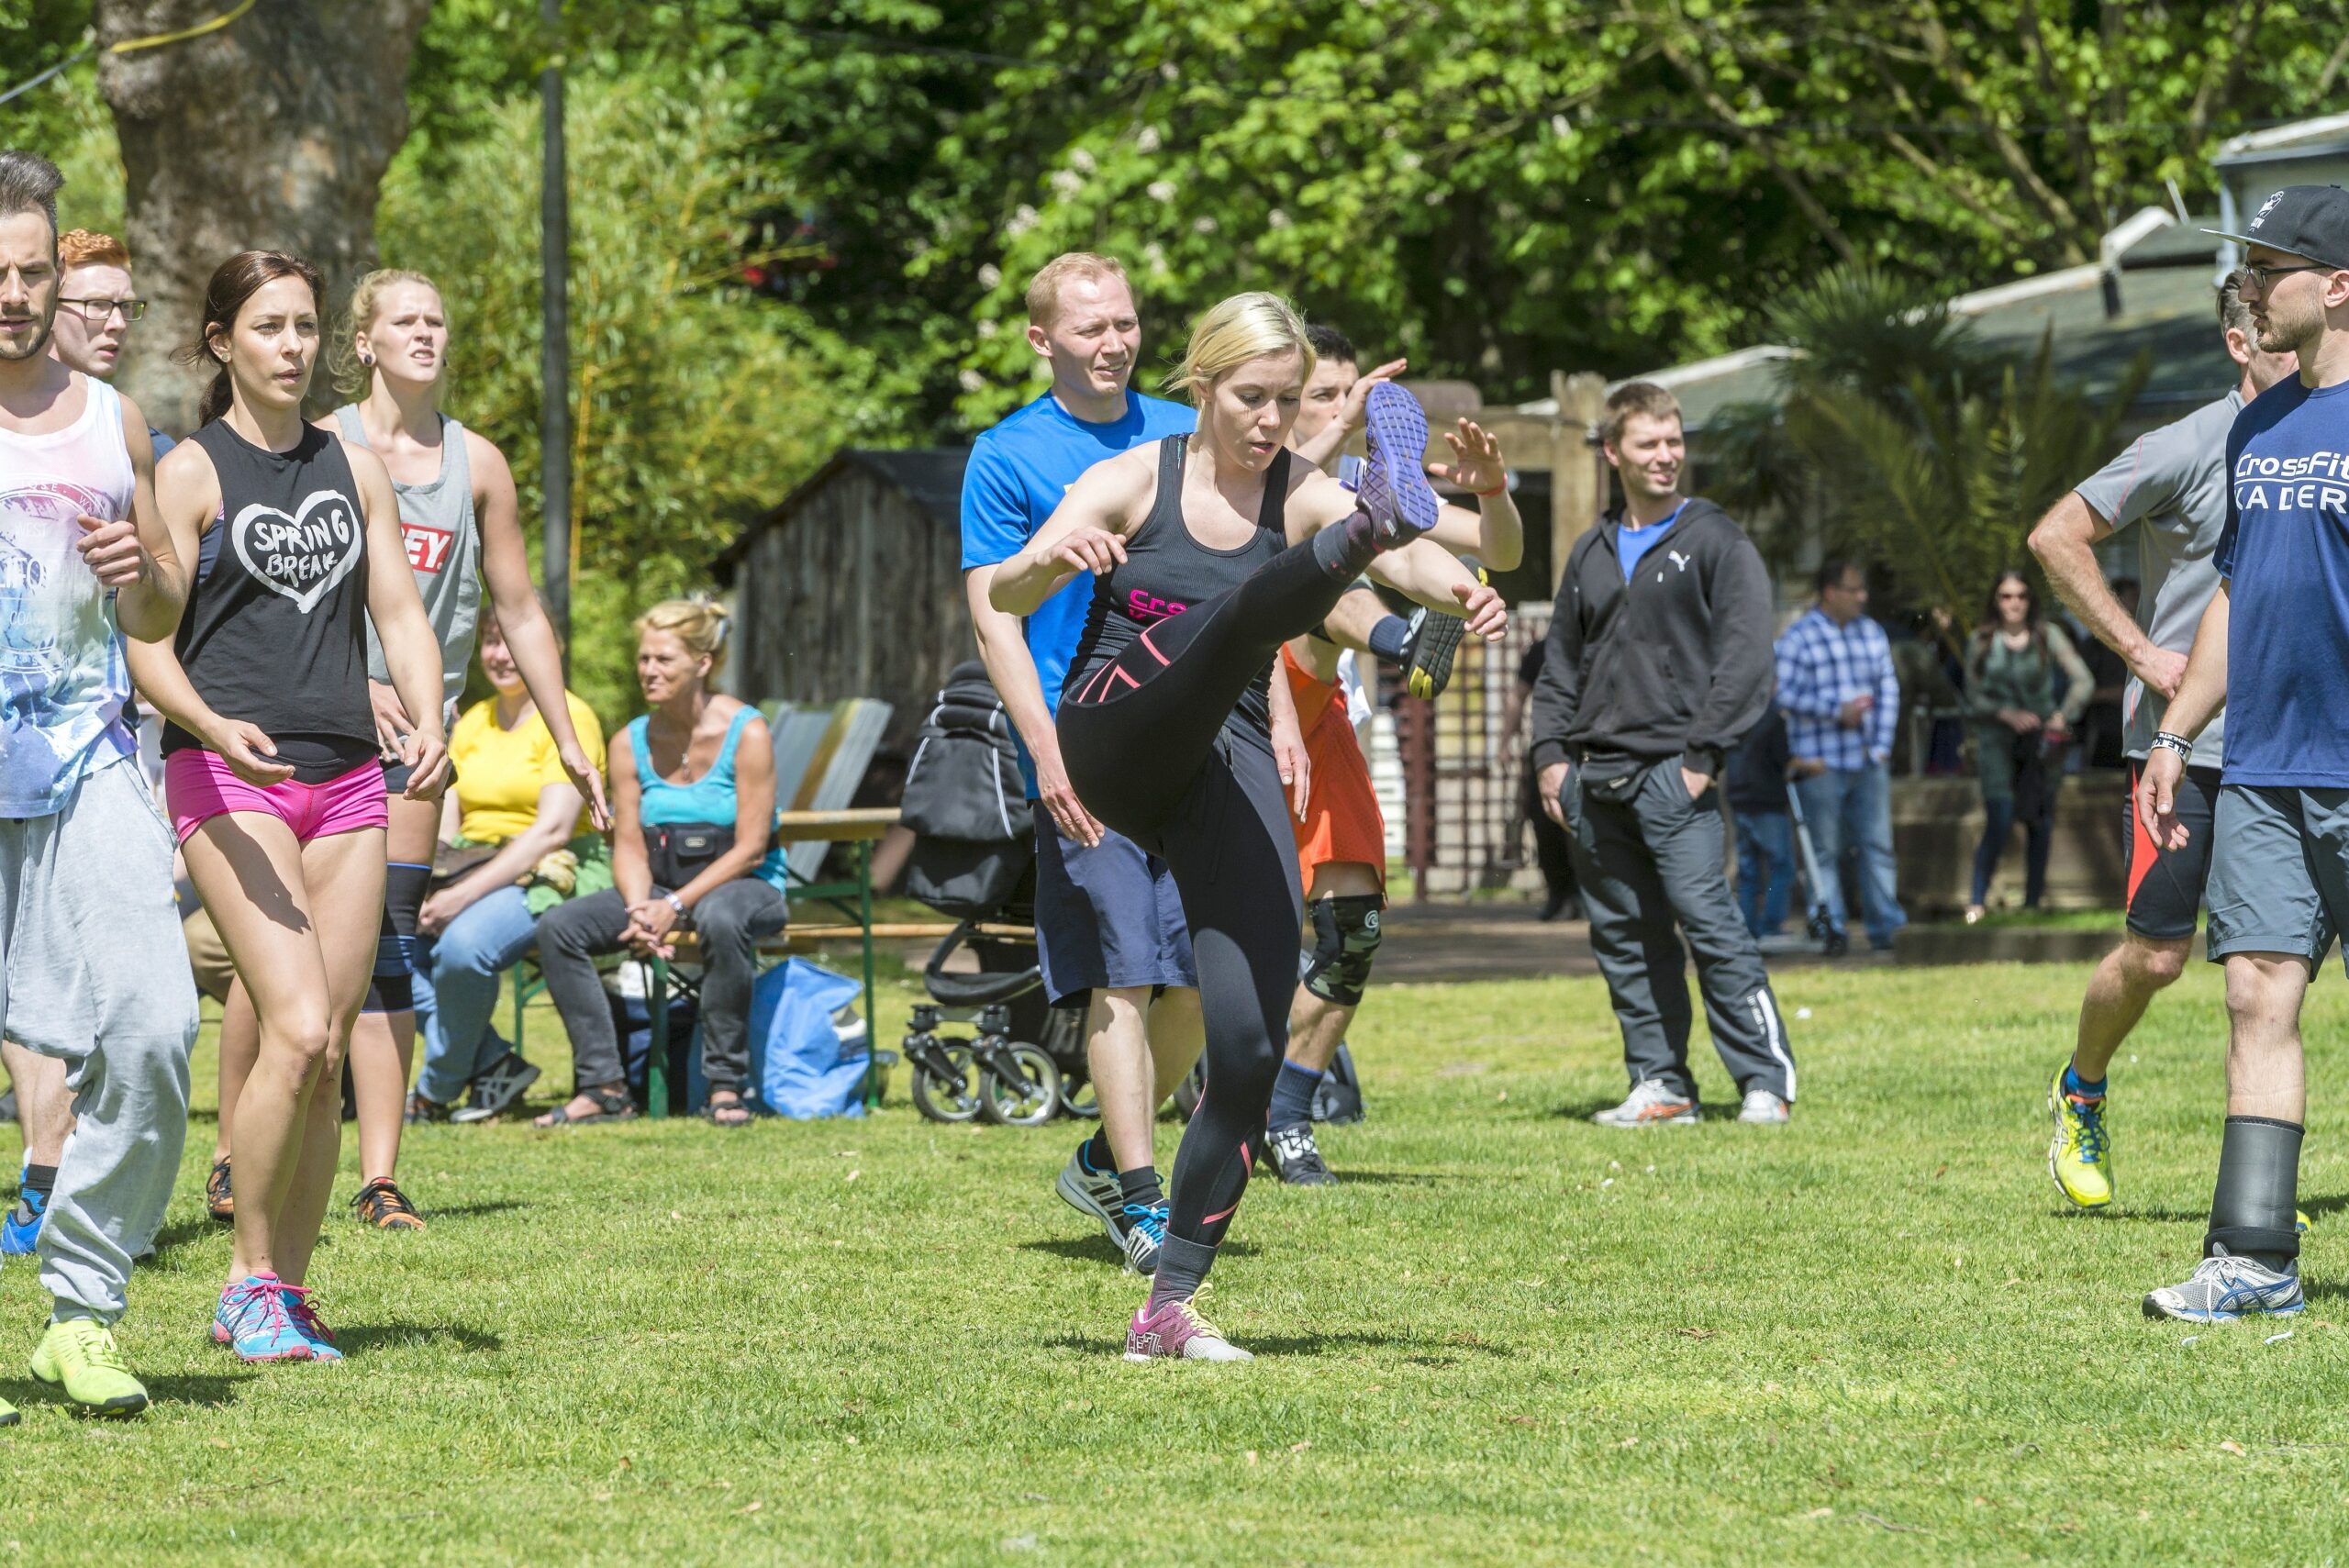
(2252, 1211)
(1344, 548)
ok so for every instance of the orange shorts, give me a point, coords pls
(1342, 823)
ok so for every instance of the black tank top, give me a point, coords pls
(1166, 571)
(275, 628)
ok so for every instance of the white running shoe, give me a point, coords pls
(2224, 1288)
(1651, 1103)
(1765, 1109)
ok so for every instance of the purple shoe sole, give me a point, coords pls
(1397, 439)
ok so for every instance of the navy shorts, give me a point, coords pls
(1106, 917)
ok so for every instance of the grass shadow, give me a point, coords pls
(365, 1337)
(1349, 1177)
(1293, 1346)
(472, 1210)
(180, 1232)
(206, 1390)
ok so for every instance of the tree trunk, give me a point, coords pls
(273, 132)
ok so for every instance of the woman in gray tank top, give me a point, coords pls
(459, 524)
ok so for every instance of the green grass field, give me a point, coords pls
(1509, 1338)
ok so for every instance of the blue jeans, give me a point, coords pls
(1765, 869)
(456, 989)
(1852, 808)
(1998, 824)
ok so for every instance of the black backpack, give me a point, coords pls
(965, 801)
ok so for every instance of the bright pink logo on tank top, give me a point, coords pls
(1143, 604)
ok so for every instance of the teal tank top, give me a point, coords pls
(709, 798)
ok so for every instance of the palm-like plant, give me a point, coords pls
(1905, 442)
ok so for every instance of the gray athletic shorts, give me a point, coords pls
(2279, 870)
(89, 944)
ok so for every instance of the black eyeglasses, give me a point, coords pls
(2262, 277)
(96, 312)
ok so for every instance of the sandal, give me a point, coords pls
(714, 1110)
(611, 1104)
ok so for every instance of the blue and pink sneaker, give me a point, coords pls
(1173, 1329)
(307, 1323)
(254, 1320)
(1395, 489)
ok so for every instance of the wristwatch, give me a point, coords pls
(676, 904)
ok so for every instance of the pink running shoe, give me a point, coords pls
(307, 1324)
(1175, 1330)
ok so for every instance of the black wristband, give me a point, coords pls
(2169, 741)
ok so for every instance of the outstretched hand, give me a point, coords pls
(1481, 607)
(1480, 468)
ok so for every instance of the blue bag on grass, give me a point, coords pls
(803, 1068)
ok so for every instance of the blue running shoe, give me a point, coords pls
(1394, 488)
(2225, 1288)
(20, 1232)
(1145, 1227)
(255, 1321)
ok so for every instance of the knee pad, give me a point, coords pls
(1345, 940)
(393, 988)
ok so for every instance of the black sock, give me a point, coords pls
(1182, 1268)
(2252, 1211)
(1141, 1186)
(41, 1179)
(1391, 639)
(1097, 1156)
(1344, 549)
(1293, 1092)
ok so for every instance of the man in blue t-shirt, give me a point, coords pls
(2274, 648)
(1109, 930)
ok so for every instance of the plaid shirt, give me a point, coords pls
(1820, 667)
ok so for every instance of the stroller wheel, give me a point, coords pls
(1191, 1090)
(1078, 1100)
(1025, 1097)
(943, 1098)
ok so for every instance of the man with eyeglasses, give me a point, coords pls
(2170, 485)
(2272, 646)
(96, 308)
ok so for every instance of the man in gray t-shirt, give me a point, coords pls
(2170, 486)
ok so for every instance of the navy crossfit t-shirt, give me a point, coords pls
(2285, 552)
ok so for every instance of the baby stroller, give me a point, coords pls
(975, 859)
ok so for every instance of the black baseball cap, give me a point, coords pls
(2306, 220)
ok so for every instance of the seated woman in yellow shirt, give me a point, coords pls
(513, 795)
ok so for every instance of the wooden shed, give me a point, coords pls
(852, 586)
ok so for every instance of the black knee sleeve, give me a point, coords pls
(393, 988)
(1345, 940)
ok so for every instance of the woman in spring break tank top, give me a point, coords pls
(270, 754)
(1207, 555)
(458, 524)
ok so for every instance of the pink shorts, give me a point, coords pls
(200, 787)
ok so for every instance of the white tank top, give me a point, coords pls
(64, 684)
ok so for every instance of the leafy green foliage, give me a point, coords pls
(694, 403)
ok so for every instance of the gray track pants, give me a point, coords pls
(94, 972)
(1650, 859)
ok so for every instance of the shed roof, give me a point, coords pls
(930, 477)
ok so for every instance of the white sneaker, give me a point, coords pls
(1766, 1109)
(1652, 1102)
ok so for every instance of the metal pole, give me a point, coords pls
(554, 355)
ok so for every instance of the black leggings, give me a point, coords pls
(1151, 747)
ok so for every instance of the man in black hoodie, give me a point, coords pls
(1659, 663)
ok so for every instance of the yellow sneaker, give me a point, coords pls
(79, 1356)
(2080, 1154)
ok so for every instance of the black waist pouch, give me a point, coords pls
(676, 852)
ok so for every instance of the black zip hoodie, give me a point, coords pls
(1677, 661)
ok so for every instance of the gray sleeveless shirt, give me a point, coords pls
(443, 544)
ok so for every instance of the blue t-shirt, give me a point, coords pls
(2285, 551)
(1631, 543)
(1017, 474)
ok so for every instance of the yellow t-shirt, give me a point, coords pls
(500, 772)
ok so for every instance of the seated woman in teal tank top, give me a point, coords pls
(693, 825)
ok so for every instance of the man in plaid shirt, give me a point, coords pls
(1842, 698)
